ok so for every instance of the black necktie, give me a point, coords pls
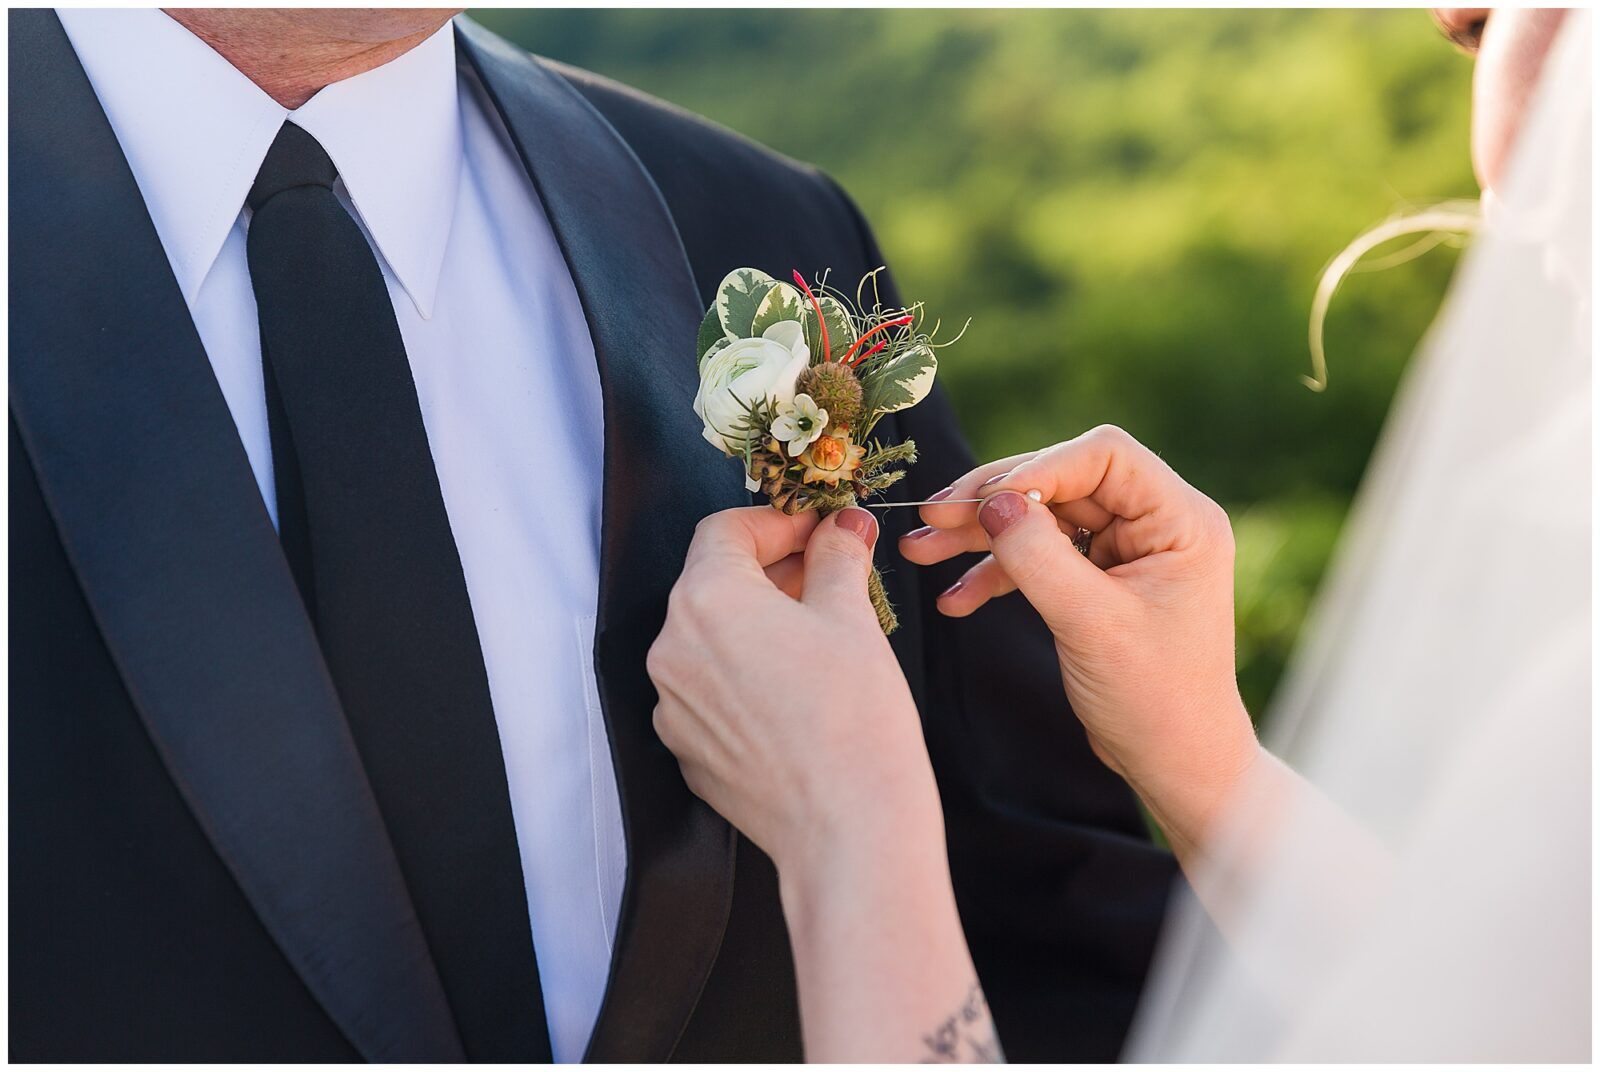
(363, 524)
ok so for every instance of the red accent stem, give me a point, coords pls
(868, 354)
(822, 322)
(901, 322)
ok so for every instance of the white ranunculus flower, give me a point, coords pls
(744, 372)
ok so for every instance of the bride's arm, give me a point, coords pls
(1279, 831)
(882, 965)
(1142, 617)
(1144, 630)
(816, 754)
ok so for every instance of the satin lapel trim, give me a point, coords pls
(154, 500)
(639, 298)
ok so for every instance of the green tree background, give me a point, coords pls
(1132, 206)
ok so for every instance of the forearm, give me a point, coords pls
(1230, 840)
(882, 965)
(1190, 782)
(1192, 807)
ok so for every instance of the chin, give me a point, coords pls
(373, 25)
(1515, 44)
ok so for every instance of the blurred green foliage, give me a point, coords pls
(1132, 206)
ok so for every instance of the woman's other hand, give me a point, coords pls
(779, 693)
(1143, 622)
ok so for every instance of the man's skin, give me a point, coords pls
(291, 53)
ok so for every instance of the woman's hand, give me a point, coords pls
(789, 715)
(1143, 622)
(779, 693)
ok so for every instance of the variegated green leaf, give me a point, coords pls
(710, 332)
(901, 381)
(738, 297)
(782, 302)
(841, 328)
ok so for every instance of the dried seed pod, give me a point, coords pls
(834, 388)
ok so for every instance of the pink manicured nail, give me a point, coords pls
(859, 523)
(1001, 512)
(917, 534)
(993, 481)
(953, 589)
(945, 494)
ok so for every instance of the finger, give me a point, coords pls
(1028, 544)
(786, 574)
(1080, 513)
(838, 559)
(983, 582)
(1104, 549)
(928, 545)
(966, 487)
(675, 728)
(1115, 471)
(669, 721)
(664, 664)
(748, 538)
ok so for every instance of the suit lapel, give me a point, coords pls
(154, 500)
(639, 298)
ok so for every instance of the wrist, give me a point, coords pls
(894, 843)
(1190, 794)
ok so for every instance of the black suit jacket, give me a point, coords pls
(198, 870)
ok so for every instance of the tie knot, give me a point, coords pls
(295, 159)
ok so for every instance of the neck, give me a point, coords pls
(287, 56)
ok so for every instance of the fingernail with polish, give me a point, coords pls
(1001, 512)
(953, 589)
(859, 523)
(917, 534)
(945, 494)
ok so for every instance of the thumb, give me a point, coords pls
(838, 559)
(1027, 542)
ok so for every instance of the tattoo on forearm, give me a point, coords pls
(966, 1035)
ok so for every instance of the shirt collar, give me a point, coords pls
(195, 131)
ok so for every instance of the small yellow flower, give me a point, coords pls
(830, 459)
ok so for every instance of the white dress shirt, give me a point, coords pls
(505, 374)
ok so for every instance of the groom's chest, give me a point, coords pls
(509, 392)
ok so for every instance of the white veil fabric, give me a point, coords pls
(1430, 899)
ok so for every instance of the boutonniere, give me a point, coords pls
(793, 379)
